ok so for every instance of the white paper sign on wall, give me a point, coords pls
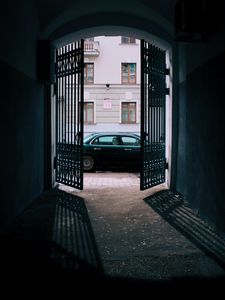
(107, 103)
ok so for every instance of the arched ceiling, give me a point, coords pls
(61, 17)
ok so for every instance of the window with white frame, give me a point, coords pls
(128, 73)
(88, 73)
(128, 113)
(88, 112)
(128, 40)
(91, 39)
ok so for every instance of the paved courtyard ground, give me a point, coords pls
(134, 241)
(111, 234)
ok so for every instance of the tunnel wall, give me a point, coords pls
(201, 134)
(22, 109)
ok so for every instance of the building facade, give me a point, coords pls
(111, 84)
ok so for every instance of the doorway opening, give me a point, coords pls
(111, 111)
(110, 93)
(114, 107)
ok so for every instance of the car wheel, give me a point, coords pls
(88, 163)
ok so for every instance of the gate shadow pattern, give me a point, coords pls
(172, 207)
(74, 247)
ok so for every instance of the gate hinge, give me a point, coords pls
(167, 71)
(166, 165)
(54, 88)
(56, 67)
(167, 91)
(54, 163)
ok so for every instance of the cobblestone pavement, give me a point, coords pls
(100, 180)
(111, 179)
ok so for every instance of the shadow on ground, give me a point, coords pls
(171, 206)
(52, 245)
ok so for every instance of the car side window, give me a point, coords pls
(96, 141)
(130, 141)
(105, 140)
(117, 140)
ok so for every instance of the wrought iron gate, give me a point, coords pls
(153, 94)
(69, 119)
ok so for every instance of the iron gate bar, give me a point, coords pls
(69, 116)
(153, 93)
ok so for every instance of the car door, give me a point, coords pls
(131, 151)
(107, 151)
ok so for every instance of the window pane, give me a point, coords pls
(91, 39)
(90, 67)
(129, 141)
(127, 40)
(132, 73)
(132, 104)
(124, 39)
(89, 73)
(89, 112)
(96, 141)
(89, 79)
(90, 115)
(124, 116)
(125, 79)
(105, 140)
(132, 68)
(124, 112)
(132, 116)
(125, 68)
(129, 73)
(132, 79)
(128, 112)
(132, 111)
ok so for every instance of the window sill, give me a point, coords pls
(128, 44)
(134, 123)
(128, 83)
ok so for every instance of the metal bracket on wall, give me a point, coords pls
(54, 163)
(166, 165)
(54, 88)
(167, 91)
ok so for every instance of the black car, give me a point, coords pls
(111, 151)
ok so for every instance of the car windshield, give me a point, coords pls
(88, 137)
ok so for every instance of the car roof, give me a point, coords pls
(97, 134)
(113, 133)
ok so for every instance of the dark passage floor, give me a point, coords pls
(112, 235)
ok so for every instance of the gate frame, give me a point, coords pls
(171, 103)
